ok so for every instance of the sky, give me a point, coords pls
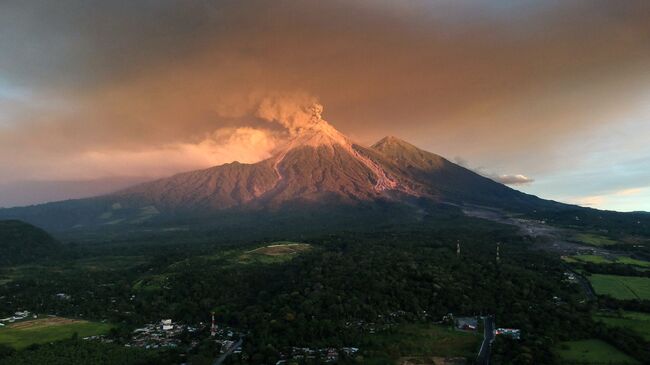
(550, 97)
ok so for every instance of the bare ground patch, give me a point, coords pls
(43, 322)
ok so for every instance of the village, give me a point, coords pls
(18, 316)
(228, 341)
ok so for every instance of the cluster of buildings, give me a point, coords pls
(471, 324)
(386, 321)
(227, 345)
(568, 275)
(162, 334)
(18, 316)
(329, 354)
(509, 332)
(226, 338)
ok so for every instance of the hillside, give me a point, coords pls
(21, 242)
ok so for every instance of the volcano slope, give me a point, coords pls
(319, 174)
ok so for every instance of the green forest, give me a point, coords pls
(328, 290)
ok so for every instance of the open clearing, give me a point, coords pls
(43, 330)
(634, 321)
(621, 287)
(423, 341)
(277, 252)
(594, 352)
(281, 249)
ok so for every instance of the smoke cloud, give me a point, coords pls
(291, 111)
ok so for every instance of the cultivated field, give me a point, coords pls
(43, 330)
(634, 321)
(597, 259)
(593, 239)
(621, 287)
(594, 352)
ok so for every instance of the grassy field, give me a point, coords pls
(593, 259)
(421, 340)
(275, 253)
(631, 261)
(592, 352)
(593, 239)
(596, 259)
(43, 330)
(621, 287)
(635, 321)
(152, 282)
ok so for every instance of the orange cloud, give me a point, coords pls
(124, 89)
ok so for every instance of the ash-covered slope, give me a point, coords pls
(318, 166)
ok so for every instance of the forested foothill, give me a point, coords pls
(380, 292)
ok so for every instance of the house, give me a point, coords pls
(167, 325)
(350, 350)
(226, 345)
(62, 296)
(467, 323)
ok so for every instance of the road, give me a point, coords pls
(483, 357)
(232, 348)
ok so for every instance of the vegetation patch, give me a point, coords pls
(152, 283)
(81, 352)
(621, 287)
(44, 330)
(421, 341)
(634, 321)
(592, 351)
(111, 262)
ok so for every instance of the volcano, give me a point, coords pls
(318, 167)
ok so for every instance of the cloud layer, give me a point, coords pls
(513, 179)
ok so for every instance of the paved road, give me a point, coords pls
(232, 348)
(483, 357)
